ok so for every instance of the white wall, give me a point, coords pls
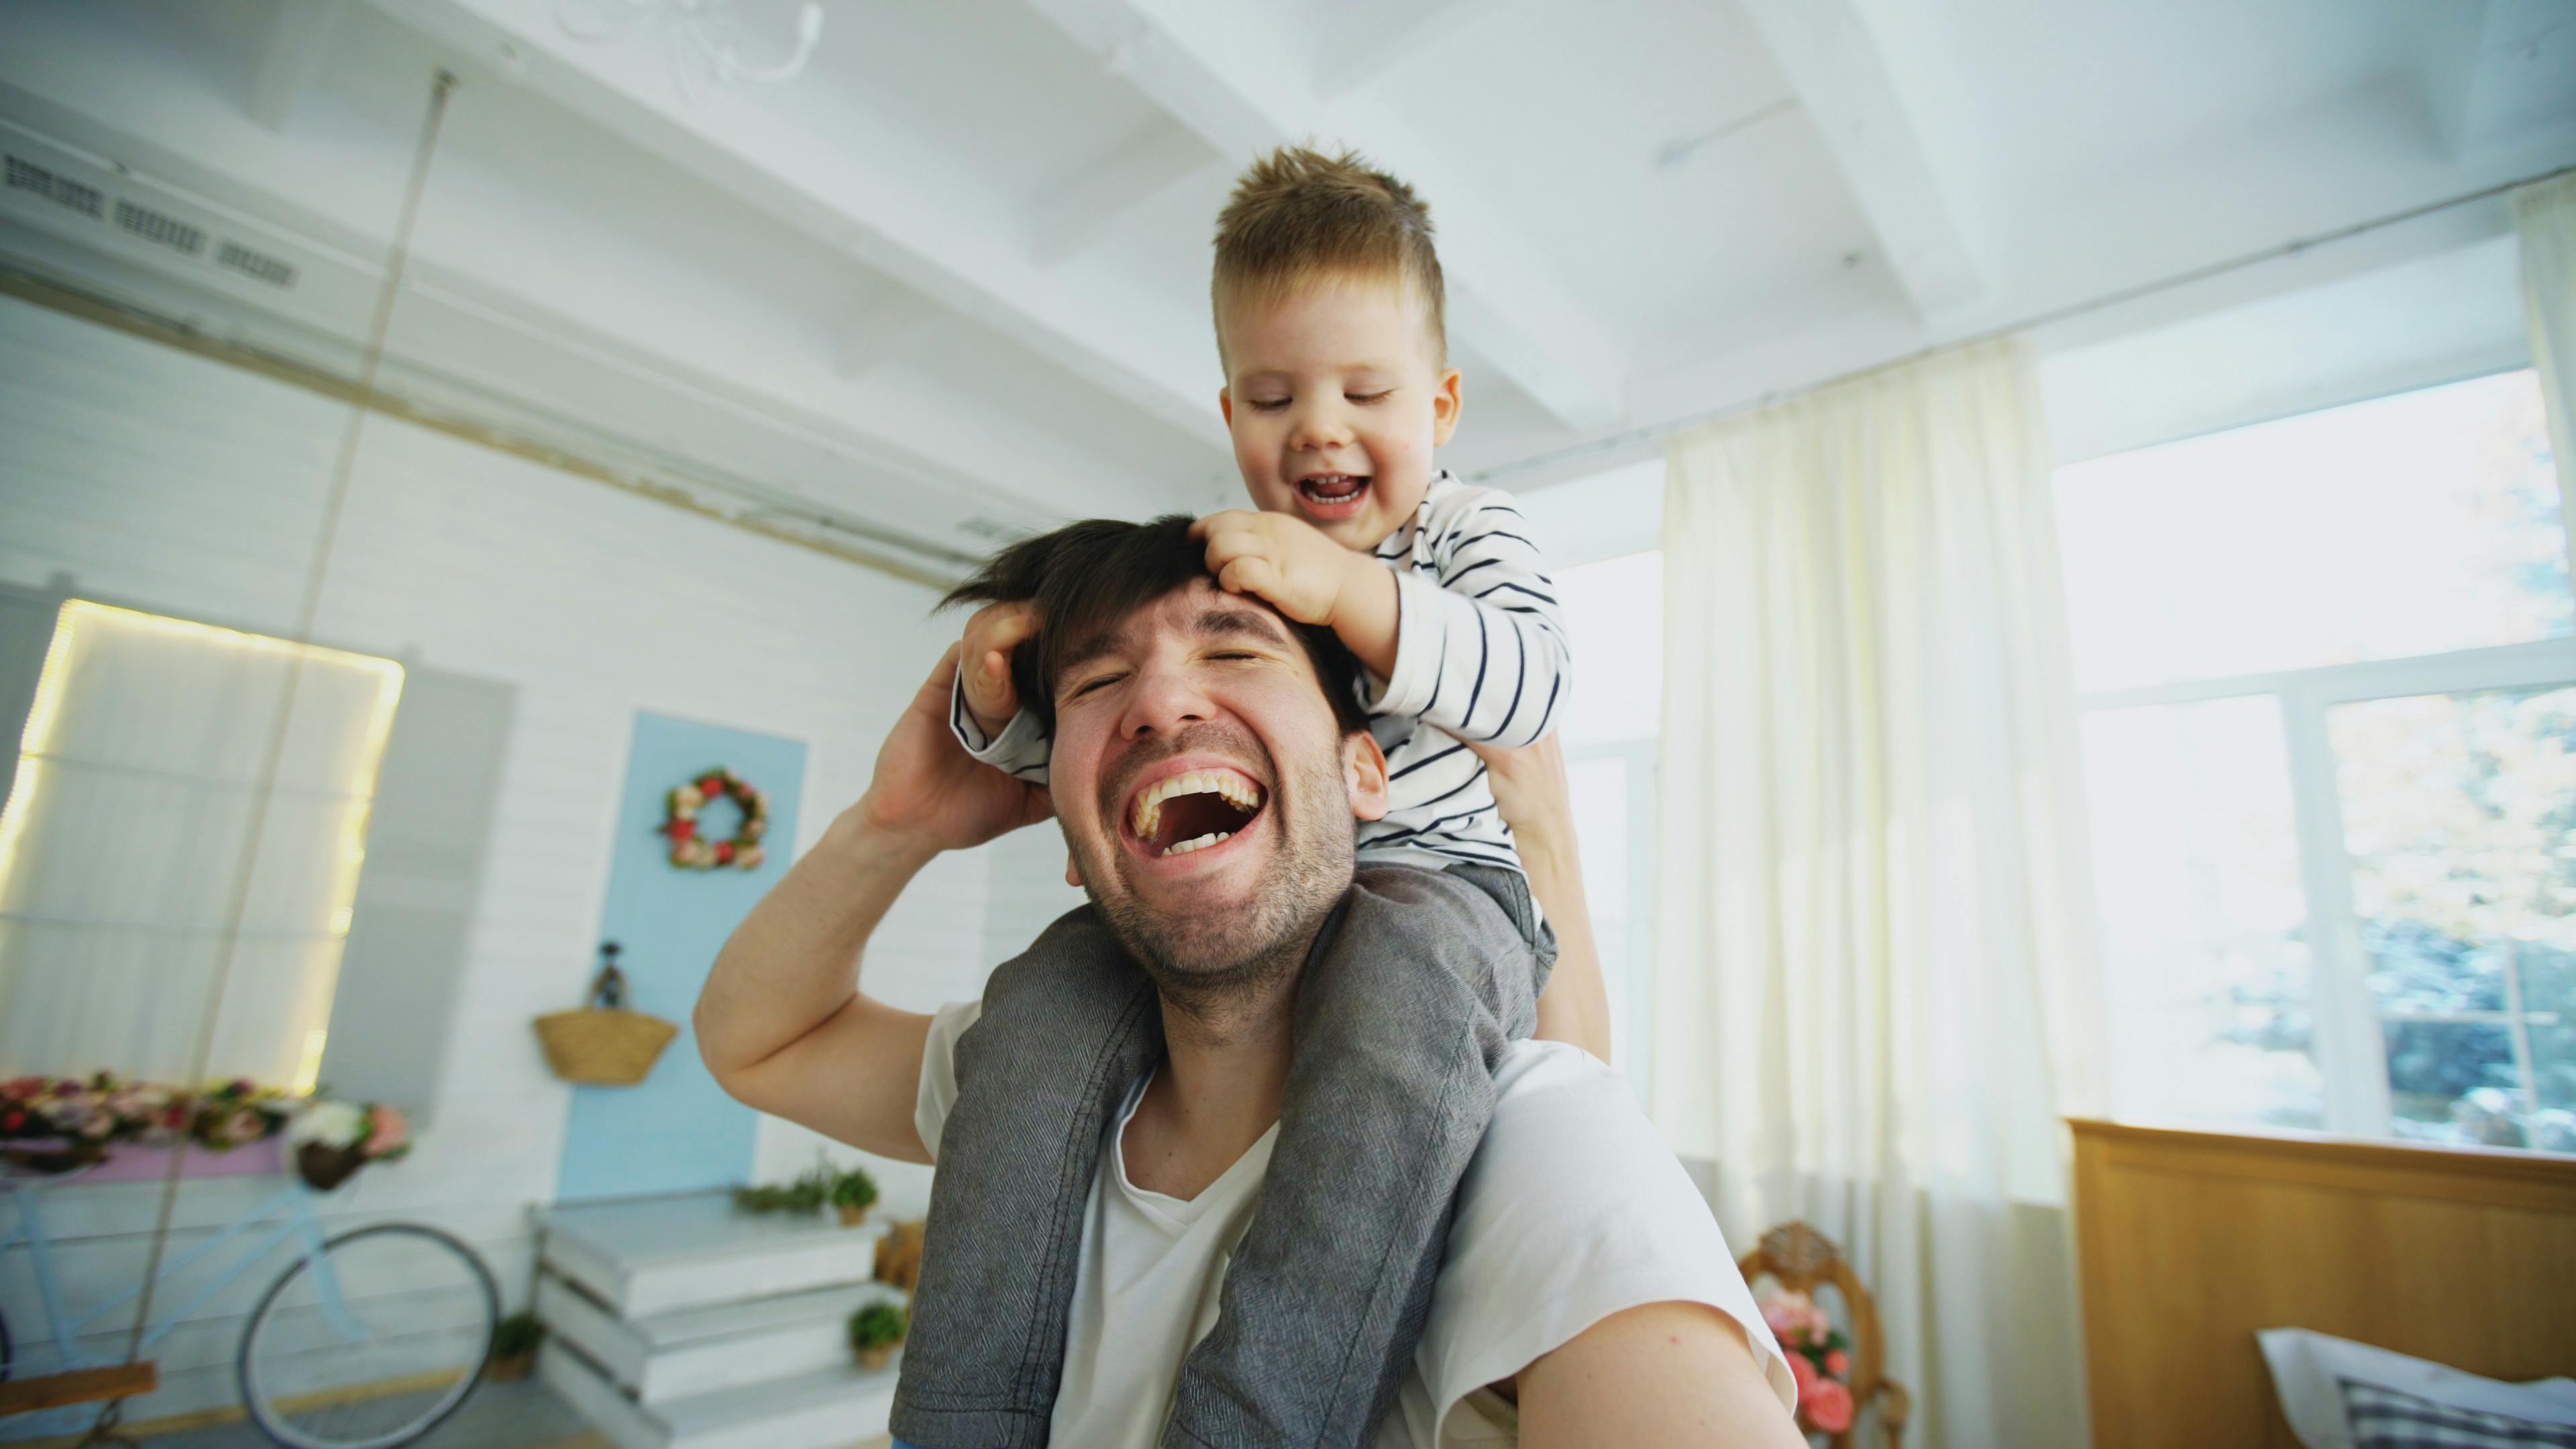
(169, 482)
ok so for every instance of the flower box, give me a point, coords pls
(139, 1162)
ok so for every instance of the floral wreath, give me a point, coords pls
(680, 822)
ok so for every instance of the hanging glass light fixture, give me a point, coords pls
(706, 37)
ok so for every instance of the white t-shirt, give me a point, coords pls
(1573, 1209)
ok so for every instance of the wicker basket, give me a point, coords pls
(604, 1043)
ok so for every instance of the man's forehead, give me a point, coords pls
(1200, 610)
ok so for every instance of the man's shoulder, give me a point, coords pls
(1573, 1209)
(1558, 1109)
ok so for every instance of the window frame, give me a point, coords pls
(2351, 1052)
(1635, 1043)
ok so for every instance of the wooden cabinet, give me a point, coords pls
(2189, 1242)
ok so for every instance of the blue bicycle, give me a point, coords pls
(366, 1340)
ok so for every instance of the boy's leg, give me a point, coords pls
(1400, 1020)
(1067, 1027)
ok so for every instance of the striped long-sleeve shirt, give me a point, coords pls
(1480, 655)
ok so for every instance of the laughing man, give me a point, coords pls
(1586, 1297)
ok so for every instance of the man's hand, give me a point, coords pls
(985, 662)
(929, 794)
(1284, 560)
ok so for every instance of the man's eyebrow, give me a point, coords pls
(1099, 644)
(1218, 623)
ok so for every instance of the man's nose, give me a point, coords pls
(1164, 698)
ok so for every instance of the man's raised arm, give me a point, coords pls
(782, 1023)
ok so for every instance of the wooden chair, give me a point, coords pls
(1799, 1258)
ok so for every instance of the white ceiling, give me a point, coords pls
(956, 272)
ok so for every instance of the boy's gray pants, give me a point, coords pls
(1417, 981)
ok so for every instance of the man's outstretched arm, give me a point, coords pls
(1660, 1374)
(782, 1023)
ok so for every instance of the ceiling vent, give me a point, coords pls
(26, 175)
(256, 265)
(187, 235)
(160, 228)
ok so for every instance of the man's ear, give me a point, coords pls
(1072, 871)
(1364, 775)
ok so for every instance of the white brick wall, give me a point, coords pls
(172, 483)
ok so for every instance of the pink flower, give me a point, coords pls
(391, 1131)
(1786, 1313)
(1838, 1363)
(1803, 1374)
(1828, 1405)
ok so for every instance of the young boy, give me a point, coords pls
(1328, 304)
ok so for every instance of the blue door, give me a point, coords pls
(676, 1130)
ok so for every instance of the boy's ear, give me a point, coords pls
(1225, 405)
(1364, 775)
(1445, 402)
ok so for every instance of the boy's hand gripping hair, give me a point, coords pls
(984, 662)
(1286, 561)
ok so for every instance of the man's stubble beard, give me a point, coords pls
(1200, 960)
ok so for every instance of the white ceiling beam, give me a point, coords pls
(821, 179)
(1362, 38)
(877, 325)
(1071, 218)
(299, 36)
(1217, 73)
(1843, 81)
(2495, 70)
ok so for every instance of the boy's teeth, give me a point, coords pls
(1214, 837)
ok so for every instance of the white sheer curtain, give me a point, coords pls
(1873, 925)
(2546, 214)
(122, 841)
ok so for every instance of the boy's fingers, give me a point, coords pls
(1248, 575)
(1002, 626)
(1222, 518)
(1225, 545)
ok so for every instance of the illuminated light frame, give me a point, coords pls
(46, 710)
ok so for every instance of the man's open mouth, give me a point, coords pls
(1333, 495)
(1192, 811)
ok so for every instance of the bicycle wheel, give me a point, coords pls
(371, 1342)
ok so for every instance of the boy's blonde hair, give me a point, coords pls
(1299, 215)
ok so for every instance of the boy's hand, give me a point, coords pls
(984, 663)
(1284, 560)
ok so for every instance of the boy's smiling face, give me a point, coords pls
(1336, 397)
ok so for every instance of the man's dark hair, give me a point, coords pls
(1087, 577)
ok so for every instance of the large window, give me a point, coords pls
(151, 868)
(2329, 692)
(1614, 613)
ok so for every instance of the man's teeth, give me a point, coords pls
(1234, 789)
(1213, 837)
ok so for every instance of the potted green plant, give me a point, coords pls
(514, 1347)
(805, 1195)
(854, 1192)
(876, 1331)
